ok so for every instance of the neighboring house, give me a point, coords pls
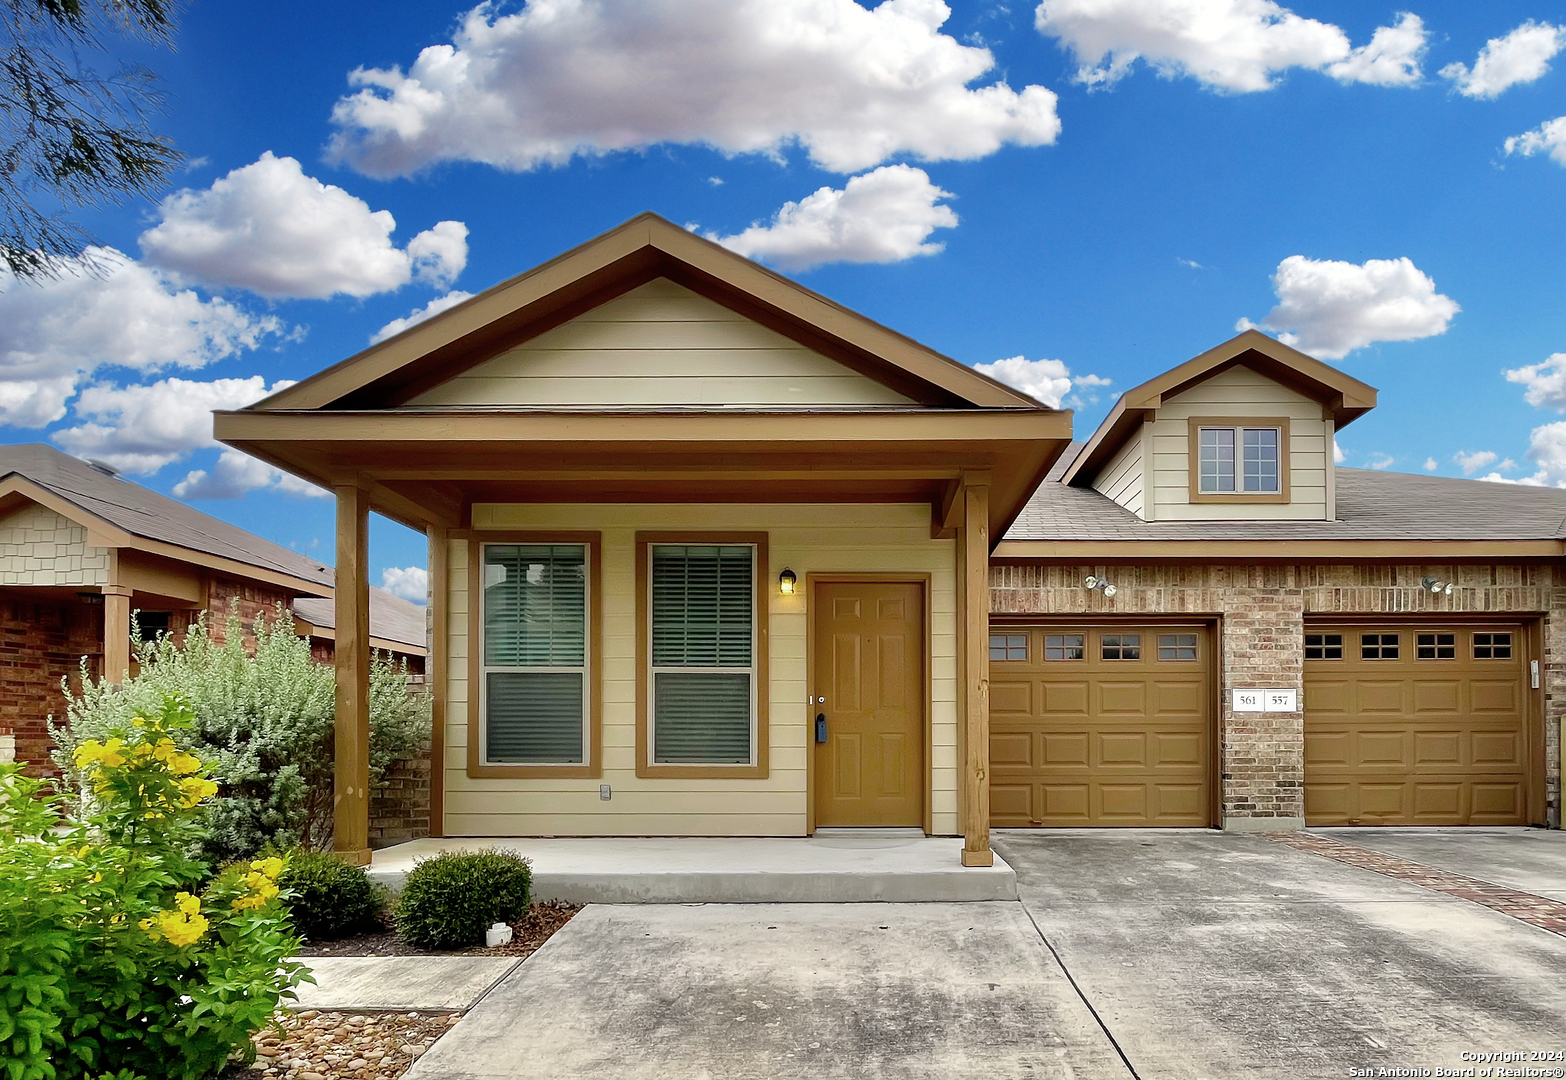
(82, 549)
(710, 554)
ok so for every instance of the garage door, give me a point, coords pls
(1414, 725)
(1100, 725)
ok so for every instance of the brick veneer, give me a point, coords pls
(1261, 608)
(40, 644)
(400, 809)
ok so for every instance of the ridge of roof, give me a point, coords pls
(145, 513)
(643, 248)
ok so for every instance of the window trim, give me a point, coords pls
(762, 584)
(1197, 423)
(478, 768)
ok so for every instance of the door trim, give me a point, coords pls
(812, 579)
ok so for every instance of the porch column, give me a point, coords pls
(116, 632)
(435, 671)
(351, 780)
(975, 570)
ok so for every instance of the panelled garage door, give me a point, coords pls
(1415, 725)
(1100, 725)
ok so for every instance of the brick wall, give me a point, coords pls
(1261, 609)
(247, 599)
(41, 643)
(400, 809)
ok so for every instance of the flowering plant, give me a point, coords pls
(117, 954)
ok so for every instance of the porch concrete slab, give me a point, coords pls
(851, 868)
(1532, 860)
(421, 983)
(782, 991)
(1217, 955)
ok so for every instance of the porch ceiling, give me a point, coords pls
(429, 467)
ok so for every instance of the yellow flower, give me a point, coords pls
(245, 902)
(146, 924)
(143, 750)
(105, 755)
(186, 903)
(271, 867)
(139, 722)
(196, 788)
(185, 931)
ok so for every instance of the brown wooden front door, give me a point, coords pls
(869, 665)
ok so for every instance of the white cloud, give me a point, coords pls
(1545, 382)
(1472, 463)
(269, 228)
(883, 216)
(1431, 464)
(418, 315)
(563, 78)
(1329, 309)
(140, 429)
(1520, 57)
(1338, 456)
(409, 582)
(1233, 45)
(1380, 461)
(1549, 137)
(236, 475)
(1048, 381)
(1547, 450)
(106, 310)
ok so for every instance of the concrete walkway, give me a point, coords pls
(1210, 955)
(1533, 860)
(839, 868)
(422, 983)
(783, 992)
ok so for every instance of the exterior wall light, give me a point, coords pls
(1098, 584)
(91, 599)
(786, 582)
(1436, 585)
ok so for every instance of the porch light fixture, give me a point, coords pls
(91, 599)
(1436, 585)
(1098, 584)
(786, 582)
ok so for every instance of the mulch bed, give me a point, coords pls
(531, 930)
(314, 1045)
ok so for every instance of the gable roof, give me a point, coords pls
(1399, 510)
(125, 514)
(631, 254)
(1344, 396)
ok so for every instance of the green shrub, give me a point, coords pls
(264, 720)
(114, 959)
(328, 899)
(451, 899)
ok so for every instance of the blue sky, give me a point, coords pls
(1101, 188)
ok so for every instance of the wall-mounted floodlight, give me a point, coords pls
(1436, 585)
(1098, 584)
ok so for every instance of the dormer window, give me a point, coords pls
(1239, 460)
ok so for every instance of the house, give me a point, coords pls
(713, 555)
(82, 549)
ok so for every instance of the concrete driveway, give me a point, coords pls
(1213, 955)
(1141, 955)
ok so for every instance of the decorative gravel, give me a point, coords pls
(342, 1046)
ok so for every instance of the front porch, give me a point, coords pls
(830, 867)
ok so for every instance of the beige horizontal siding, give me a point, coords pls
(839, 538)
(1242, 393)
(1122, 478)
(660, 344)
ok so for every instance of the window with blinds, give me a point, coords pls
(535, 654)
(703, 657)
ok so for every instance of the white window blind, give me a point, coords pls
(535, 654)
(702, 615)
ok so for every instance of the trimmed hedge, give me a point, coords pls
(330, 899)
(450, 900)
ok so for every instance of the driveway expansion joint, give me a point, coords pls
(1540, 911)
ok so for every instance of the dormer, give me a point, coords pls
(1242, 432)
